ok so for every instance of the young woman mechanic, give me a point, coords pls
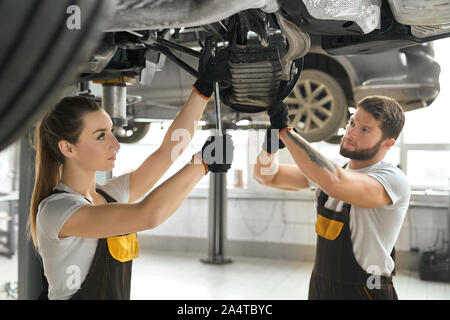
(85, 233)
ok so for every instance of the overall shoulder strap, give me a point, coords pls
(323, 197)
(106, 196)
(103, 193)
(56, 191)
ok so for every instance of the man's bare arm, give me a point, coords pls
(267, 171)
(355, 188)
(311, 162)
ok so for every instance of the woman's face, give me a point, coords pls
(97, 146)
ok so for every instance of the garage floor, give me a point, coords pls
(181, 276)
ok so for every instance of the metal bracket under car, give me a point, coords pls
(265, 57)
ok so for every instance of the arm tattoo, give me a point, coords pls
(314, 155)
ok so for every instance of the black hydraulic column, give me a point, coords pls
(217, 219)
(29, 277)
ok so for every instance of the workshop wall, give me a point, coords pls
(272, 220)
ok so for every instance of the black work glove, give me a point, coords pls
(217, 152)
(271, 142)
(212, 69)
(279, 115)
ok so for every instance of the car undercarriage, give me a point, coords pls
(266, 42)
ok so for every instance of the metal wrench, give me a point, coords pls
(217, 104)
(217, 98)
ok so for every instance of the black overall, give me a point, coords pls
(336, 274)
(107, 279)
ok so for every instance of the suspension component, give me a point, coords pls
(114, 99)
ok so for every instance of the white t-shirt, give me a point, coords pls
(67, 260)
(374, 231)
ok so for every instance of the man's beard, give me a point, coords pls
(363, 154)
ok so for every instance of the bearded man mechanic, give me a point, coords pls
(360, 207)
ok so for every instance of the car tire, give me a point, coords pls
(317, 105)
(133, 132)
(40, 57)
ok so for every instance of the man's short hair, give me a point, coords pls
(386, 110)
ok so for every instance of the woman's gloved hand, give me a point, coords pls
(211, 69)
(217, 153)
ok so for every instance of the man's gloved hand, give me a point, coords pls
(279, 117)
(217, 153)
(271, 142)
(212, 69)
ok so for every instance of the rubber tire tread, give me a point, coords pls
(40, 57)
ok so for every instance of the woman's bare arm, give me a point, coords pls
(112, 219)
(175, 141)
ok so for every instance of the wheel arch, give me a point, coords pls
(339, 68)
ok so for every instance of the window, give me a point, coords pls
(426, 136)
(429, 169)
(131, 156)
(430, 125)
(8, 168)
